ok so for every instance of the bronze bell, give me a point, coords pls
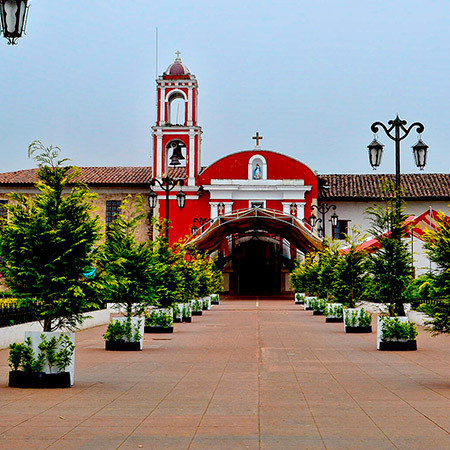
(177, 155)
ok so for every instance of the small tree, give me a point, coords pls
(165, 279)
(437, 244)
(125, 265)
(47, 242)
(390, 266)
(350, 276)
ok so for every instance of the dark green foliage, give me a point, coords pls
(56, 352)
(125, 265)
(124, 331)
(358, 318)
(166, 278)
(47, 243)
(350, 278)
(158, 318)
(390, 266)
(394, 329)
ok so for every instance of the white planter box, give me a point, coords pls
(300, 298)
(179, 314)
(35, 337)
(380, 329)
(329, 313)
(207, 302)
(215, 299)
(308, 301)
(187, 309)
(136, 322)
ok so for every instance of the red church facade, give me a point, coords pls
(241, 181)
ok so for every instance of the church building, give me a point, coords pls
(257, 210)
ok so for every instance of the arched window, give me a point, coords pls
(176, 111)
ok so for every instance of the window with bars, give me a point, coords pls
(112, 210)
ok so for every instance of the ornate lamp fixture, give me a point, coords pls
(14, 15)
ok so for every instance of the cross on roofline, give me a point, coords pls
(257, 138)
(178, 53)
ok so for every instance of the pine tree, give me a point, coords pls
(46, 243)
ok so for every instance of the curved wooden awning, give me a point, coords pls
(254, 220)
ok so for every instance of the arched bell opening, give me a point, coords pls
(175, 154)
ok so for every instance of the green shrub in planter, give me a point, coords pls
(334, 312)
(318, 306)
(48, 368)
(357, 320)
(162, 317)
(197, 307)
(396, 333)
(123, 330)
(299, 298)
(215, 299)
(178, 312)
(187, 312)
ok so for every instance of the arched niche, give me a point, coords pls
(257, 168)
(176, 108)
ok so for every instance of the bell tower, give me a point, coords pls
(176, 135)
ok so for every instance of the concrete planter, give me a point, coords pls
(159, 321)
(178, 312)
(299, 298)
(308, 301)
(187, 312)
(215, 299)
(334, 312)
(206, 303)
(353, 323)
(36, 339)
(42, 380)
(393, 344)
(137, 323)
(197, 307)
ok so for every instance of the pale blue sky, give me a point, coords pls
(310, 76)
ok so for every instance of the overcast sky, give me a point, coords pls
(310, 76)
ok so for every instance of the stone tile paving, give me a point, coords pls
(257, 374)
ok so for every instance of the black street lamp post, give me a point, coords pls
(200, 221)
(13, 15)
(312, 221)
(323, 209)
(166, 184)
(397, 131)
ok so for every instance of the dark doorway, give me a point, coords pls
(256, 268)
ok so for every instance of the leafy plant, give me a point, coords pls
(126, 265)
(125, 331)
(350, 276)
(47, 242)
(197, 305)
(394, 329)
(159, 318)
(187, 310)
(318, 305)
(56, 352)
(358, 318)
(334, 310)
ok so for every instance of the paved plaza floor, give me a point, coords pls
(247, 374)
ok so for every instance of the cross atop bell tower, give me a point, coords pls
(176, 135)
